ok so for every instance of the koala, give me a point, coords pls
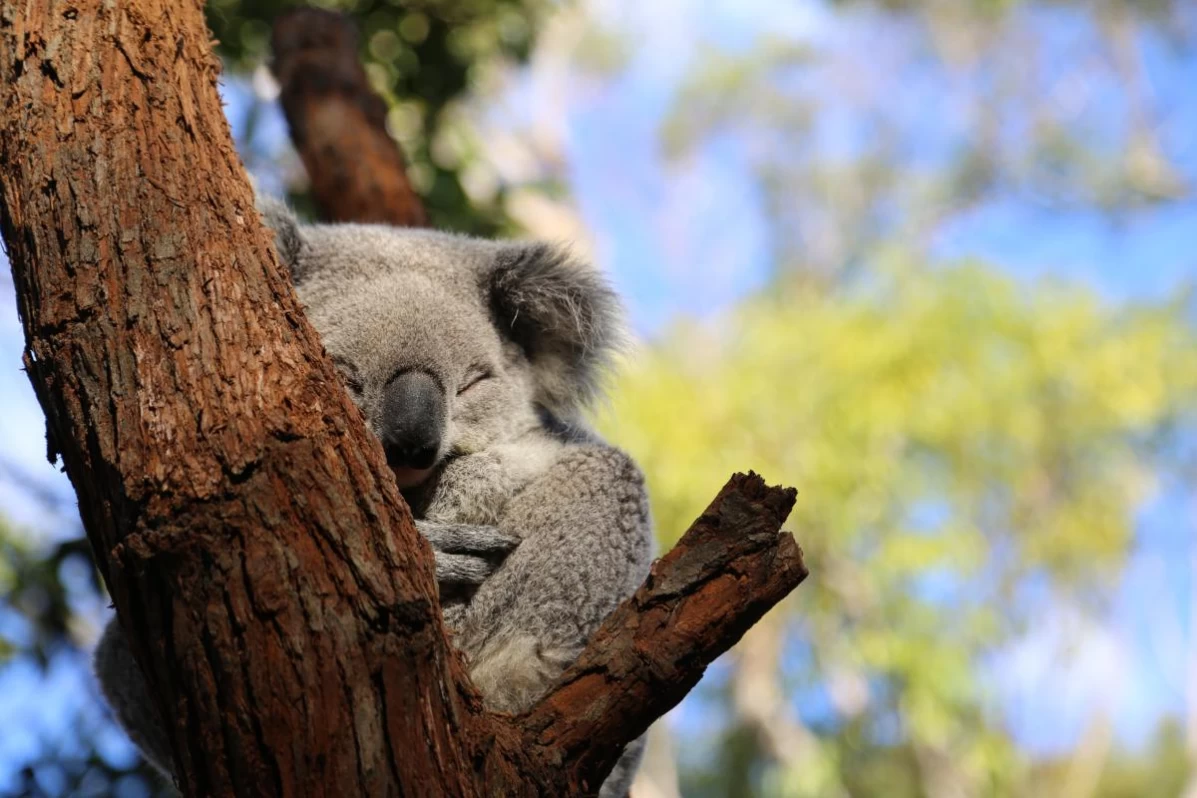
(471, 361)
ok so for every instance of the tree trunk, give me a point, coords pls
(242, 516)
(262, 562)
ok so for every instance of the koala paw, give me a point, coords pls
(471, 489)
(466, 555)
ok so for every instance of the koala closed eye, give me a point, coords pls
(349, 374)
(473, 377)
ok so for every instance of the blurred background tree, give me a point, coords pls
(924, 259)
(422, 57)
(969, 458)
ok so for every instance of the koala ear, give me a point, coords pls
(564, 316)
(288, 239)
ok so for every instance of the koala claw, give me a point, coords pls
(462, 569)
(466, 555)
(466, 538)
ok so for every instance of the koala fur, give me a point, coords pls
(471, 360)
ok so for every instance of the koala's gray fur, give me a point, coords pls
(539, 528)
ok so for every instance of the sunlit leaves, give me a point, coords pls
(952, 434)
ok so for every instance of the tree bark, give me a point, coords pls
(338, 123)
(260, 557)
(262, 562)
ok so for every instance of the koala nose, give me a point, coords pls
(413, 416)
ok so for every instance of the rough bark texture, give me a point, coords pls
(338, 123)
(261, 560)
(241, 513)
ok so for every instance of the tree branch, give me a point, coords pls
(338, 123)
(724, 574)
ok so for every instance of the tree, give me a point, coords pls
(55, 632)
(58, 611)
(268, 575)
(337, 123)
(845, 168)
(421, 57)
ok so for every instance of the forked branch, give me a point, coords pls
(730, 568)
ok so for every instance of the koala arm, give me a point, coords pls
(465, 554)
(585, 546)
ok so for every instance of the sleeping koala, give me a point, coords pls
(471, 361)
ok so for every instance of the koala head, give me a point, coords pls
(449, 344)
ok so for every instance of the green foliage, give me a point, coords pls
(34, 591)
(955, 437)
(969, 451)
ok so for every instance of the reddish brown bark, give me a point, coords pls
(338, 123)
(261, 560)
(243, 517)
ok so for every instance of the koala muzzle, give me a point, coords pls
(413, 416)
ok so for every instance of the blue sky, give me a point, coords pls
(690, 238)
